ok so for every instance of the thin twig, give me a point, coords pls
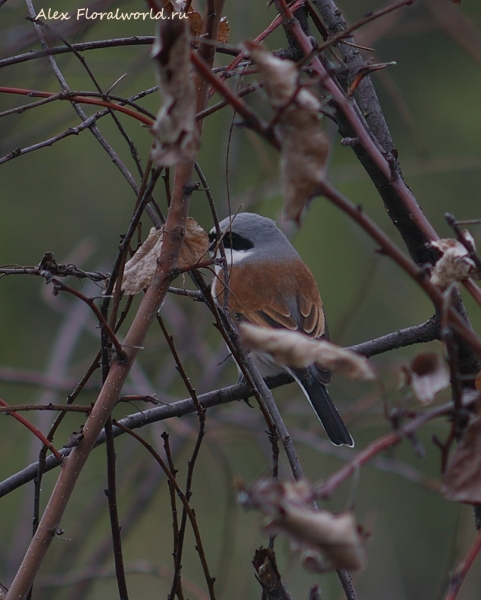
(403, 261)
(459, 575)
(177, 539)
(106, 400)
(111, 493)
(190, 513)
(79, 99)
(137, 40)
(33, 429)
(329, 485)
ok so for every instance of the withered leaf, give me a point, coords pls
(296, 350)
(462, 479)
(196, 23)
(140, 269)
(175, 130)
(335, 539)
(224, 31)
(281, 79)
(304, 144)
(454, 264)
(195, 245)
(427, 375)
(304, 152)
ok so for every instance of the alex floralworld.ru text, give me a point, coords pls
(117, 15)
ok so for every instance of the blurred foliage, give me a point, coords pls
(70, 199)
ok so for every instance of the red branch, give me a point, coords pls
(325, 489)
(459, 575)
(414, 271)
(79, 99)
(34, 430)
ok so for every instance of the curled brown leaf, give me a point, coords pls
(196, 24)
(140, 269)
(281, 79)
(304, 144)
(296, 350)
(304, 152)
(327, 541)
(175, 129)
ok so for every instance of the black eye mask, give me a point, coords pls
(232, 240)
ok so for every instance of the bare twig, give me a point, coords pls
(136, 40)
(79, 99)
(68, 270)
(403, 261)
(33, 429)
(201, 412)
(140, 419)
(111, 493)
(459, 575)
(185, 502)
(178, 538)
(347, 584)
(417, 334)
(325, 489)
(106, 401)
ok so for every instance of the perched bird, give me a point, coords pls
(269, 285)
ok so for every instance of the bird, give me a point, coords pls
(269, 285)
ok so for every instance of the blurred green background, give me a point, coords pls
(70, 199)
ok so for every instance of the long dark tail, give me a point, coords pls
(323, 405)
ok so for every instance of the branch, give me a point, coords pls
(136, 40)
(187, 508)
(106, 401)
(33, 429)
(140, 419)
(455, 320)
(417, 334)
(48, 263)
(327, 488)
(460, 573)
(78, 98)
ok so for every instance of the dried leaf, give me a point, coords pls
(335, 539)
(140, 269)
(296, 350)
(304, 152)
(427, 375)
(462, 479)
(281, 79)
(304, 144)
(454, 264)
(224, 31)
(195, 245)
(195, 22)
(175, 129)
